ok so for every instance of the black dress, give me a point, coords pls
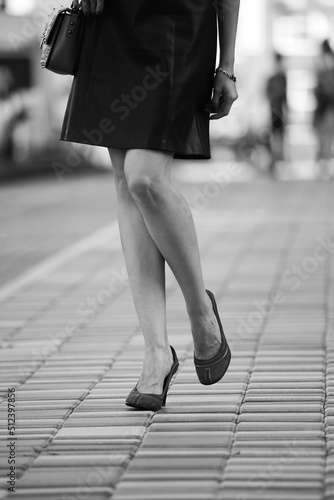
(145, 73)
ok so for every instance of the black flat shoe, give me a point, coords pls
(210, 371)
(149, 401)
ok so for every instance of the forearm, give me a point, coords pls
(227, 14)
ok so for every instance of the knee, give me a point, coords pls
(141, 184)
(147, 175)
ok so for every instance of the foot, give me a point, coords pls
(156, 366)
(205, 330)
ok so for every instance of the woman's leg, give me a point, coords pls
(146, 270)
(169, 221)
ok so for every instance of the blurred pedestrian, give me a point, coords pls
(7, 82)
(144, 90)
(276, 91)
(324, 112)
(9, 113)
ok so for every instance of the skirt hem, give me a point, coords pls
(180, 155)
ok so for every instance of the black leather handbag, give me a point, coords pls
(61, 40)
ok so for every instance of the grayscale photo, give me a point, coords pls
(167, 249)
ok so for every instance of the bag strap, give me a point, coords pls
(73, 26)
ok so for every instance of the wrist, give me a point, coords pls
(227, 64)
(228, 74)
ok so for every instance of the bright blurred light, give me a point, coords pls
(296, 4)
(252, 27)
(326, 3)
(318, 25)
(20, 7)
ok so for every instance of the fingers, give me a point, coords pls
(92, 7)
(224, 95)
(99, 8)
(220, 105)
(93, 4)
(213, 105)
(216, 100)
(86, 7)
(223, 109)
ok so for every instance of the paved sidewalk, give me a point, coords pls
(72, 349)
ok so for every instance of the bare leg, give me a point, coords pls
(146, 270)
(168, 219)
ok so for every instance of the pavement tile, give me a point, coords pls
(198, 399)
(285, 385)
(285, 392)
(97, 403)
(284, 367)
(280, 434)
(287, 377)
(200, 408)
(172, 475)
(92, 432)
(191, 426)
(80, 460)
(124, 441)
(188, 439)
(270, 482)
(124, 412)
(286, 407)
(280, 417)
(43, 404)
(185, 453)
(273, 493)
(277, 398)
(227, 387)
(175, 463)
(40, 423)
(84, 420)
(31, 440)
(279, 472)
(59, 493)
(285, 457)
(23, 431)
(281, 426)
(51, 386)
(54, 415)
(303, 444)
(67, 476)
(168, 489)
(194, 417)
(275, 449)
(89, 375)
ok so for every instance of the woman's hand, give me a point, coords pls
(224, 95)
(91, 7)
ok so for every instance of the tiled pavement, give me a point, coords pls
(72, 349)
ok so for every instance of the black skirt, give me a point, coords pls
(145, 73)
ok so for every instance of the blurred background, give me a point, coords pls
(32, 100)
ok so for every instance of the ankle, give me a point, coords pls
(201, 310)
(157, 349)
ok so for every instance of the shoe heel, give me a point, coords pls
(153, 402)
(176, 367)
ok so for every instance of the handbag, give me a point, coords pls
(61, 40)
